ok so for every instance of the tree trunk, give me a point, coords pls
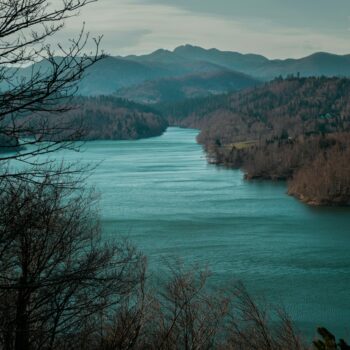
(22, 327)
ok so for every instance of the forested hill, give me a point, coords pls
(293, 106)
(111, 74)
(294, 129)
(107, 117)
(189, 86)
(92, 118)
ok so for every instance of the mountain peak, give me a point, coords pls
(161, 52)
(188, 47)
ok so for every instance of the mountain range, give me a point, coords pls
(190, 71)
(317, 64)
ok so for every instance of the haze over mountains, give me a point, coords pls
(190, 71)
(185, 64)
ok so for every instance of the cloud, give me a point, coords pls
(133, 28)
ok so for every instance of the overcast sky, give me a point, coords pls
(274, 28)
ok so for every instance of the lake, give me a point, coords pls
(164, 196)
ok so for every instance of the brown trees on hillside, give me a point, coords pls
(288, 129)
(326, 181)
(108, 117)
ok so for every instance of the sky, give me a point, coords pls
(274, 28)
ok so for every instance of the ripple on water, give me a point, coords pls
(163, 195)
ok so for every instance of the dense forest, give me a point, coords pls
(294, 129)
(106, 117)
(87, 118)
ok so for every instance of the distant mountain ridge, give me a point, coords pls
(111, 74)
(317, 64)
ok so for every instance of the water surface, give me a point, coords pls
(162, 194)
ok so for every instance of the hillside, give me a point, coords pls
(111, 74)
(191, 86)
(98, 118)
(294, 129)
(296, 106)
(107, 117)
(91, 118)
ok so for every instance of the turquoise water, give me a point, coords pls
(162, 194)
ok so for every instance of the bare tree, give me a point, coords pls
(191, 316)
(253, 326)
(56, 273)
(187, 312)
(37, 80)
